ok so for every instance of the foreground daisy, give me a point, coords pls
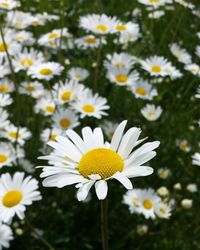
(6, 236)
(16, 193)
(90, 160)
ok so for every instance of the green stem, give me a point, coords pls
(104, 224)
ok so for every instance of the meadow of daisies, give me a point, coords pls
(92, 95)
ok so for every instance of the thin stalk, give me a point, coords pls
(104, 224)
(43, 240)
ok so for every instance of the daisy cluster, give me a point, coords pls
(69, 81)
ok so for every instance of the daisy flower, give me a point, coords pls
(50, 134)
(155, 3)
(9, 4)
(193, 68)
(13, 133)
(163, 210)
(45, 71)
(18, 19)
(109, 128)
(31, 88)
(5, 100)
(129, 28)
(126, 37)
(163, 173)
(181, 54)
(24, 37)
(196, 159)
(3, 118)
(90, 160)
(156, 65)
(6, 86)
(119, 60)
(122, 76)
(7, 154)
(6, 236)
(78, 74)
(4, 68)
(65, 119)
(16, 193)
(53, 35)
(46, 105)
(89, 41)
(142, 89)
(90, 105)
(183, 145)
(98, 24)
(27, 166)
(151, 112)
(156, 14)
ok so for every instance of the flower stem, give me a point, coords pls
(104, 224)
(43, 240)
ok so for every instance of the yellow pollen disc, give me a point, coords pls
(156, 69)
(183, 145)
(34, 22)
(121, 27)
(135, 202)
(3, 47)
(66, 96)
(104, 162)
(19, 38)
(141, 91)
(5, 5)
(151, 114)
(147, 204)
(14, 135)
(65, 123)
(120, 65)
(46, 72)
(30, 88)
(52, 35)
(12, 198)
(50, 109)
(88, 108)
(101, 27)
(163, 174)
(3, 158)
(4, 88)
(53, 137)
(121, 78)
(90, 40)
(154, 1)
(26, 62)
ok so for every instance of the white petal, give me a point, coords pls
(84, 190)
(76, 139)
(123, 180)
(101, 188)
(117, 136)
(137, 171)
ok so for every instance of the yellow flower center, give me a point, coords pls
(46, 71)
(151, 114)
(30, 88)
(141, 91)
(91, 40)
(121, 78)
(19, 38)
(26, 62)
(147, 204)
(52, 35)
(183, 145)
(14, 135)
(121, 27)
(101, 27)
(5, 5)
(4, 88)
(3, 158)
(163, 174)
(12, 198)
(53, 137)
(156, 69)
(135, 201)
(154, 1)
(50, 109)
(66, 96)
(35, 22)
(3, 47)
(65, 123)
(101, 161)
(88, 108)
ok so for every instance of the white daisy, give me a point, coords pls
(45, 71)
(183, 145)
(9, 4)
(163, 210)
(89, 161)
(27, 166)
(181, 54)
(31, 88)
(16, 193)
(5, 100)
(89, 41)
(45, 105)
(6, 86)
(49, 134)
(109, 128)
(119, 60)
(151, 112)
(163, 173)
(78, 74)
(24, 37)
(193, 68)
(6, 235)
(53, 36)
(3, 118)
(142, 89)
(196, 159)
(7, 154)
(155, 3)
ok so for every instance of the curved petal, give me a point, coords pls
(117, 136)
(101, 188)
(123, 180)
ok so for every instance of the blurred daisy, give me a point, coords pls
(19, 134)
(6, 236)
(5, 100)
(183, 145)
(16, 193)
(31, 88)
(53, 35)
(142, 89)
(155, 3)
(46, 105)
(142, 229)
(193, 68)
(198, 51)
(24, 37)
(45, 71)
(9, 4)
(196, 159)
(163, 210)
(90, 161)
(119, 61)
(128, 28)
(4, 68)
(6, 86)
(156, 14)
(99, 24)
(122, 76)
(181, 54)
(7, 154)
(192, 188)
(163, 173)
(126, 37)
(90, 105)
(3, 118)
(65, 119)
(78, 74)
(49, 134)
(156, 65)
(27, 166)
(151, 112)
(109, 128)
(89, 41)
(18, 19)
